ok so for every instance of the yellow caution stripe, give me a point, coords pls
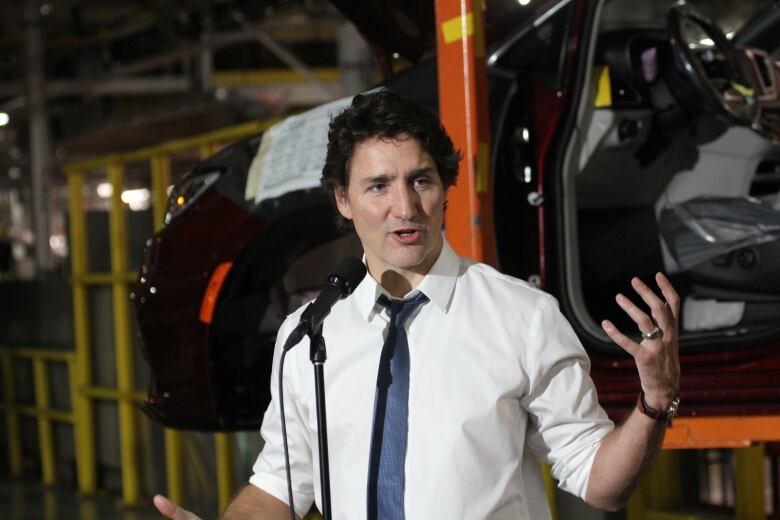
(452, 29)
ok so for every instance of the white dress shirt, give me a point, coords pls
(498, 381)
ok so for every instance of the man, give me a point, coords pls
(444, 412)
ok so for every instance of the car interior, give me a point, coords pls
(674, 166)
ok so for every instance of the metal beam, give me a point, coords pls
(287, 57)
(97, 86)
(40, 140)
(289, 94)
(129, 86)
(280, 78)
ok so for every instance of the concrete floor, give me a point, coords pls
(26, 499)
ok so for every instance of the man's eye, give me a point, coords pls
(376, 187)
(422, 181)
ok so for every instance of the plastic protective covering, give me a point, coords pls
(703, 228)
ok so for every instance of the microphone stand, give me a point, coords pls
(318, 355)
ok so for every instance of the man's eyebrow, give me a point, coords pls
(381, 177)
(386, 177)
(422, 170)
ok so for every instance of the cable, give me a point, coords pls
(284, 436)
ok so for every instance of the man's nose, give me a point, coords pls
(404, 203)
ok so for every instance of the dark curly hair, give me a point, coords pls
(385, 115)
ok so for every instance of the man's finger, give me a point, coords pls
(618, 337)
(170, 510)
(671, 296)
(640, 317)
(657, 306)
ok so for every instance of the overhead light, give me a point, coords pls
(4, 119)
(105, 190)
(707, 41)
(523, 2)
(137, 199)
(396, 55)
(59, 244)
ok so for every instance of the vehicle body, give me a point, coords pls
(607, 118)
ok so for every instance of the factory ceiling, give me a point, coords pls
(119, 74)
(122, 74)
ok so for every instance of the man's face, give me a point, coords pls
(395, 199)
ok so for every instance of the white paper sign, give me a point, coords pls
(292, 153)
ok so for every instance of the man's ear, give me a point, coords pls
(342, 202)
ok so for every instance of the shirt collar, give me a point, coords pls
(438, 285)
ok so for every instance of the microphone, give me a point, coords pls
(348, 274)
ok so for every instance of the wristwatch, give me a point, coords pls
(665, 416)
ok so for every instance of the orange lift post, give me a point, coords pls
(463, 110)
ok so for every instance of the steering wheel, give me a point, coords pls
(732, 93)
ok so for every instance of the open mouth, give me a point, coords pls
(407, 235)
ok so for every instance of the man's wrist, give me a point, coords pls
(659, 401)
(662, 415)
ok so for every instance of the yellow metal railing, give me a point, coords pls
(270, 76)
(749, 482)
(550, 490)
(42, 410)
(158, 158)
(660, 495)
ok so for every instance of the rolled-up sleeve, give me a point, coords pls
(566, 422)
(269, 468)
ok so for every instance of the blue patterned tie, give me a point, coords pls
(391, 408)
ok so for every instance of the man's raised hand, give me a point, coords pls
(656, 356)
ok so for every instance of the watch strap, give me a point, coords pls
(664, 416)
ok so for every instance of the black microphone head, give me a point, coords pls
(349, 272)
